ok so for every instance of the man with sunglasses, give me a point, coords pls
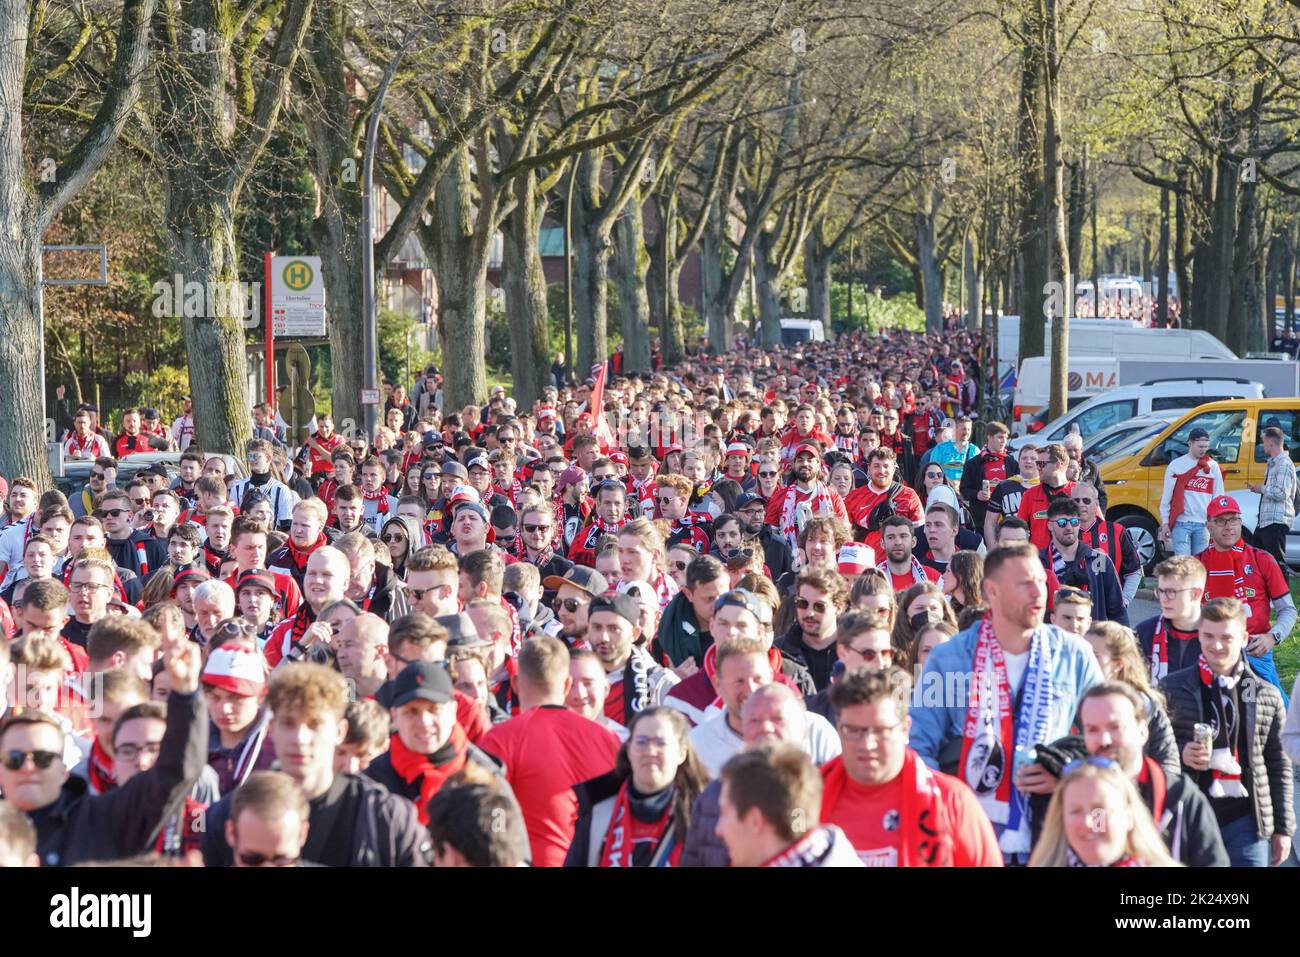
(1071, 563)
(820, 595)
(102, 475)
(751, 509)
(923, 422)
(862, 641)
(537, 531)
(1109, 537)
(574, 591)
(73, 826)
(269, 821)
(136, 551)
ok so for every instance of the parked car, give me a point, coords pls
(76, 472)
(1135, 481)
(1119, 436)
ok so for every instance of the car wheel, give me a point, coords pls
(1143, 531)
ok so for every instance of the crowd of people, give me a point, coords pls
(773, 608)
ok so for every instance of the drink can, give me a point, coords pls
(1203, 734)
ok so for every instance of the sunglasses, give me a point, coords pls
(803, 604)
(395, 538)
(252, 859)
(569, 604)
(98, 475)
(680, 566)
(111, 512)
(1064, 522)
(418, 593)
(871, 654)
(14, 760)
(767, 474)
(534, 529)
(1096, 760)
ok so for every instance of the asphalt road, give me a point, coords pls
(1140, 609)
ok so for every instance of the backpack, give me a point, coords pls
(884, 509)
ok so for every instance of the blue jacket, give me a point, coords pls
(939, 702)
(1103, 583)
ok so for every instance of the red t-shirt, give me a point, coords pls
(906, 580)
(547, 751)
(869, 818)
(1033, 509)
(862, 501)
(1262, 581)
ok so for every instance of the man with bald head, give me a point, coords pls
(774, 713)
(324, 582)
(361, 648)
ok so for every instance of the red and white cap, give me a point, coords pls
(856, 558)
(236, 669)
(545, 412)
(1222, 505)
(737, 448)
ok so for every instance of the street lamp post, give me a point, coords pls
(369, 311)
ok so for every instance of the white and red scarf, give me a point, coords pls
(626, 831)
(991, 737)
(1225, 706)
(918, 570)
(806, 851)
(800, 506)
(666, 588)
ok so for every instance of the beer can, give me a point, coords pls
(1203, 734)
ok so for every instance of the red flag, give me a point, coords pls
(600, 372)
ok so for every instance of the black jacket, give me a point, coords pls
(388, 598)
(356, 823)
(125, 821)
(818, 662)
(776, 552)
(972, 482)
(1187, 824)
(703, 846)
(1264, 714)
(127, 555)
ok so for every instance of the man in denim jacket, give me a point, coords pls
(994, 692)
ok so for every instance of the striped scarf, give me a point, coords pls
(1224, 699)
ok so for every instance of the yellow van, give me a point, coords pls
(1135, 482)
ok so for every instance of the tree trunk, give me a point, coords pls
(1162, 263)
(1078, 207)
(931, 280)
(630, 268)
(718, 310)
(1053, 174)
(22, 432)
(456, 245)
(1029, 156)
(769, 290)
(817, 276)
(665, 272)
(974, 281)
(1182, 245)
(336, 231)
(1201, 234)
(200, 229)
(591, 252)
(1223, 245)
(1246, 317)
(524, 283)
(1288, 274)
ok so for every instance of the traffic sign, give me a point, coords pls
(297, 296)
(369, 396)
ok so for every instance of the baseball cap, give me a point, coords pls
(618, 458)
(856, 558)
(456, 469)
(461, 493)
(625, 606)
(1197, 433)
(192, 575)
(743, 598)
(808, 447)
(461, 632)
(737, 448)
(1222, 505)
(579, 576)
(642, 591)
(432, 439)
(749, 498)
(470, 506)
(479, 462)
(236, 669)
(423, 680)
(573, 475)
(255, 576)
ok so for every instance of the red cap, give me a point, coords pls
(855, 558)
(236, 669)
(1223, 505)
(618, 458)
(807, 447)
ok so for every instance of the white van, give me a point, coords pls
(1118, 338)
(1127, 402)
(795, 331)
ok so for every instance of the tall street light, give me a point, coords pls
(369, 310)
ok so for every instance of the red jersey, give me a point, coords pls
(125, 445)
(901, 583)
(862, 501)
(547, 751)
(323, 461)
(1033, 509)
(1248, 574)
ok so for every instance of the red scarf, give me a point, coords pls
(299, 556)
(99, 770)
(626, 831)
(819, 502)
(1154, 775)
(995, 465)
(1180, 486)
(410, 766)
(925, 839)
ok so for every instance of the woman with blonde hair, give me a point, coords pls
(1120, 658)
(1097, 819)
(919, 606)
(643, 557)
